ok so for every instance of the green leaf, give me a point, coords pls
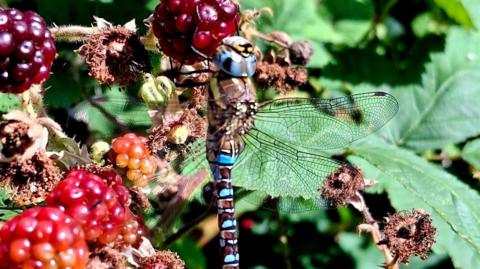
(114, 106)
(191, 253)
(444, 109)
(367, 256)
(412, 182)
(426, 23)
(459, 10)
(7, 211)
(8, 102)
(471, 153)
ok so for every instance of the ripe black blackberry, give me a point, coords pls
(27, 50)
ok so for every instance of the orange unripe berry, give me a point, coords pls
(134, 175)
(120, 145)
(134, 163)
(122, 160)
(136, 151)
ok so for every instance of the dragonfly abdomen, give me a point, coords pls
(221, 168)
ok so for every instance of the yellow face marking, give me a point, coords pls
(239, 48)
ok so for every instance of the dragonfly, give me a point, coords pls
(276, 148)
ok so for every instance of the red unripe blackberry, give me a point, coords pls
(186, 26)
(42, 238)
(95, 205)
(27, 50)
(131, 154)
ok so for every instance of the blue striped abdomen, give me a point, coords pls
(225, 208)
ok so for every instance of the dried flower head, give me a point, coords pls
(178, 129)
(162, 260)
(409, 234)
(106, 257)
(14, 138)
(342, 186)
(146, 257)
(115, 54)
(30, 181)
(23, 136)
(300, 52)
(282, 77)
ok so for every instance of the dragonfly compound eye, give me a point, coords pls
(235, 57)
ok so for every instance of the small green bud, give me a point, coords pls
(157, 92)
(98, 151)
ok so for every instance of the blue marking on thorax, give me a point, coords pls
(226, 160)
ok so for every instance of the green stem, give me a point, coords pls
(282, 238)
(185, 230)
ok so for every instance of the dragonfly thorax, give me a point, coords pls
(239, 118)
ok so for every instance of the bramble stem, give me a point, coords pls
(185, 229)
(371, 226)
(253, 32)
(73, 33)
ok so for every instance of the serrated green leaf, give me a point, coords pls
(444, 110)
(456, 10)
(471, 153)
(8, 102)
(412, 182)
(367, 256)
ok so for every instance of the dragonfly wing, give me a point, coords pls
(276, 169)
(322, 124)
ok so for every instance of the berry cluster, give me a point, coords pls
(130, 152)
(95, 205)
(42, 238)
(190, 26)
(132, 231)
(27, 50)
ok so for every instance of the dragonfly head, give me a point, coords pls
(235, 56)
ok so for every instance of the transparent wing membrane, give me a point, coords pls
(281, 166)
(322, 124)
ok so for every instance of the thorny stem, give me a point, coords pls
(253, 32)
(73, 33)
(373, 228)
(283, 241)
(185, 230)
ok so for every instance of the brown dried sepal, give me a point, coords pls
(116, 55)
(14, 138)
(283, 78)
(164, 132)
(22, 136)
(106, 257)
(409, 234)
(140, 200)
(162, 259)
(30, 181)
(341, 187)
